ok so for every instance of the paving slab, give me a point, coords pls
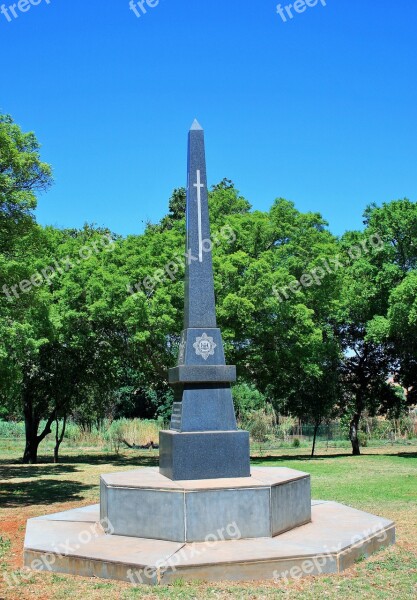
(88, 514)
(337, 536)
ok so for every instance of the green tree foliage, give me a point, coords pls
(64, 343)
(24, 325)
(22, 174)
(379, 261)
(247, 398)
(394, 325)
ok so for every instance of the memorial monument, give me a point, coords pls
(204, 514)
(203, 442)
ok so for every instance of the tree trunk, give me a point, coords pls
(316, 427)
(59, 438)
(353, 434)
(32, 420)
(30, 455)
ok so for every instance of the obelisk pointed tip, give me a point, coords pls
(196, 126)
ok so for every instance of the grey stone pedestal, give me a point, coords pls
(145, 504)
(204, 455)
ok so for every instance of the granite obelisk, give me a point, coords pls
(203, 441)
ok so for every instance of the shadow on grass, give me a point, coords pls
(407, 454)
(138, 460)
(42, 491)
(304, 457)
(28, 471)
(141, 459)
(292, 457)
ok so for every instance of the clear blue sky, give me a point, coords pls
(321, 109)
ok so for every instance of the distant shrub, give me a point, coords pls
(383, 430)
(363, 439)
(296, 443)
(246, 399)
(286, 424)
(261, 423)
(114, 435)
(12, 430)
(407, 427)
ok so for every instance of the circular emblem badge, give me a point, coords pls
(204, 346)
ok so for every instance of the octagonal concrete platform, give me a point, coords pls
(75, 543)
(146, 504)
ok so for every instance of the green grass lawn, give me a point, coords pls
(382, 481)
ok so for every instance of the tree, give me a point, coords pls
(73, 340)
(22, 176)
(276, 339)
(318, 397)
(376, 262)
(395, 326)
(23, 318)
(400, 330)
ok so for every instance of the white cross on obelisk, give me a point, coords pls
(199, 185)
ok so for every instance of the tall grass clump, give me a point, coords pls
(136, 432)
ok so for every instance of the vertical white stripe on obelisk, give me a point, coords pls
(199, 185)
